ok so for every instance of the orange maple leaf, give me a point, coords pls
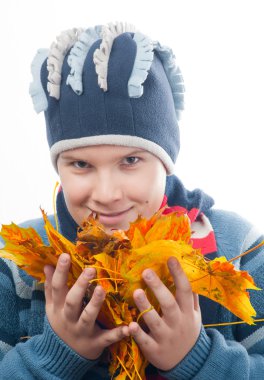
(119, 259)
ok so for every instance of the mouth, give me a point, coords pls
(112, 219)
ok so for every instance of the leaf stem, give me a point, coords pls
(144, 311)
(124, 368)
(106, 269)
(134, 361)
(246, 252)
(232, 323)
(106, 278)
(54, 206)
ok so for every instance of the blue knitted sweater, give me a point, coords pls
(230, 352)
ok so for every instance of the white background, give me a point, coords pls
(219, 46)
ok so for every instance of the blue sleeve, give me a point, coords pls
(213, 357)
(43, 356)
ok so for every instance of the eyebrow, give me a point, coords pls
(136, 152)
(68, 156)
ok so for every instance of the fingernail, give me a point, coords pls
(134, 327)
(148, 274)
(88, 273)
(173, 263)
(64, 258)
(138, 294)
(99, 291)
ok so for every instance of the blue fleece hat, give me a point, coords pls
(109, 85)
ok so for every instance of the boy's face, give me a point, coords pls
(117, 182)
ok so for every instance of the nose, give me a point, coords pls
(106, 188)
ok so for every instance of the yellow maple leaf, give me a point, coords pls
(26, 248)
(217, 279)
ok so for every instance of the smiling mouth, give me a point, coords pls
(113, 214)
(110, 214)
(111, 219)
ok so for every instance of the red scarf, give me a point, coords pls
(203, 236)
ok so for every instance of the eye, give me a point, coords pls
(81, 164)
(131, 160)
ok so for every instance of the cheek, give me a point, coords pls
(75, 199)
(74, 190)
(155, 196)
(150, 190)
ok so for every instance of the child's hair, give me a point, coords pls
(109, 85)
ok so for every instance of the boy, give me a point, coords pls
(112, 100)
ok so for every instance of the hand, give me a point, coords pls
(74, 325)
(172, 335)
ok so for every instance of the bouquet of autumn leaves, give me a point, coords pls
(119, 259)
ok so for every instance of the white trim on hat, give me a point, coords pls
(122, 140)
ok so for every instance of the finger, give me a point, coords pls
(166, 300)
(150, 315)
(91, 310)
(74, 298)
(184, 294)
(109, 337)
(145, 342)
(196, 301)
(59, 280)
(48, 271)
